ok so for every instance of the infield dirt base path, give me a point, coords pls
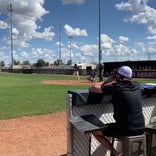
(43, 135)
(69, 82)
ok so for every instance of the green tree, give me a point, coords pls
(70, 62)
(26, 62)
(16, 62)
(58, 62)
(2, 63)
(41, 63)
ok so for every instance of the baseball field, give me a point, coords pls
(33, 113)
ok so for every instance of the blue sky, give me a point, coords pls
(128, 30)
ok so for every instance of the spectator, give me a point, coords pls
(127, 104)
(101, 72)
(92, 76)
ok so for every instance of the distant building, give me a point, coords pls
(87, 67)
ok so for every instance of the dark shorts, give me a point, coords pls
(112, 130)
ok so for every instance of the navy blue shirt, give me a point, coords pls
(127, 103)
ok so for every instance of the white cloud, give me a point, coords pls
(58, 44)
(74, 46)
(122, 50)
(3, 25)
(20, 43)
(106, 41)
(35, 54)
(65, 2)
(151, 37)
(25, 55)
(74, 31)
(141, 46)
(28, 17)
(151, 47)
(134, 51)
(109, 47)
(123, 6)
(123, 39)
(89, 50)
(43, 53)
(141, 13)
(138, 6)
(132, 5)
(25, 16)
(47, 34)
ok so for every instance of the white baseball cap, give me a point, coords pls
(125, 71)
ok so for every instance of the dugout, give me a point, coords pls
(80, 143)
(135, 65)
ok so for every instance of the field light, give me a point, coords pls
(10, 9)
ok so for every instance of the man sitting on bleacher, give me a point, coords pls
(127, 104)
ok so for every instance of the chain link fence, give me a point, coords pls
(79, 144)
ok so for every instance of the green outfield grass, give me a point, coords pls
(25, 95)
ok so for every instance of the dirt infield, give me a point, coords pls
(68, 82)
(43, 135)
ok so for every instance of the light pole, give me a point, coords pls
(100, 51)
(10, 9)
(60, 21)
(70, 38)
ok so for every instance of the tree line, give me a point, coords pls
(40, 63)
